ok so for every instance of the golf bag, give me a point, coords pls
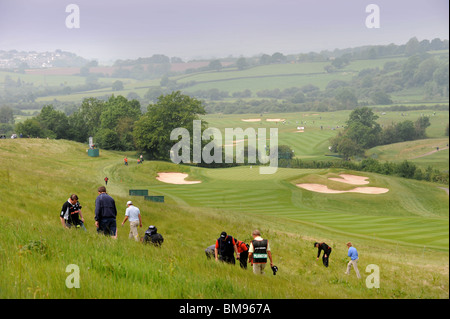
(151, 236)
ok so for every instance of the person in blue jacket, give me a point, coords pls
(105, 213)
(353, 254)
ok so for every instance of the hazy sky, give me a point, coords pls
(111, 29)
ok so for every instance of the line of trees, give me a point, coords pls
(118, 123)
(109, 122)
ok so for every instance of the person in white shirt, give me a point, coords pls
(258, 252)
(133, 214)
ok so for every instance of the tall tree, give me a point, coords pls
(381, 98)
(6, 115)
(362, 132)
(117, 85)
(54, 123)
(346, 98)
(420, 125)
(30, 128)
(152, 131)
(241, 63)
(117, 121)
(363, 115)
(412, 46)
(215, 65)
(89, 116)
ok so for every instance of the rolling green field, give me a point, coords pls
(255, 78)
(56, 80)
(418, 217)
(319, 127)
(312, 143)
(281, 76)
(404, 231)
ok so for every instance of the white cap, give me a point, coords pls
(129, 203)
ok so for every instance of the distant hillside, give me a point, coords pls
(411, 74)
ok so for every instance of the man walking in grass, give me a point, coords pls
(105, 213)
(353, 254)
(258, 252)
(133, 214)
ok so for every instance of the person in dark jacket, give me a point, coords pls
(225, 249)
(326, 252)
(71, 213)
(105, 213)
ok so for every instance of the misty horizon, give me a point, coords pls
(201, 29)
(208, 58)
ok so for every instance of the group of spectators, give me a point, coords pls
(105, 217)
(256, 253)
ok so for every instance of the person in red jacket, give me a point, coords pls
(242, 249)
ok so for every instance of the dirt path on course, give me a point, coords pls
(429, 153)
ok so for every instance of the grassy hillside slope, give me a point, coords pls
(37, 176)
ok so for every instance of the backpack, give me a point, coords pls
(157, 239)
(151, 236)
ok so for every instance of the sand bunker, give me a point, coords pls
(324, 189)
(175, 178)
(251, 120)
(240, 141)
(351, 179)
(235, 142)
(275, 120)
(310, 114)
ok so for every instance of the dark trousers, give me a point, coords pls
(325, 259)
(228, 259)
(243, 257)
(107, 226)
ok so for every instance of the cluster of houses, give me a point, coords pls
(14, 59)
